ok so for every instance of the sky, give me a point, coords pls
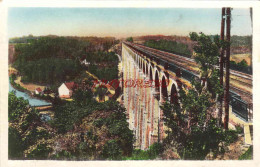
(122, 22)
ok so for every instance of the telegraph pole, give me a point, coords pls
(226, 120)
(222, 32)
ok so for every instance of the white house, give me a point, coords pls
(66, 89)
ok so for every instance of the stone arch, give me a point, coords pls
(143, 66)
(140, 61)
(164, 88)
(174, 94)
(151, 73)
(146, 71)
(157, 84)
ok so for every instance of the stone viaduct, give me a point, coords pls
(148, 82)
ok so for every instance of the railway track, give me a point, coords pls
(190, 65)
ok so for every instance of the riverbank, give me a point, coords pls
(17, 86)
(28, 86)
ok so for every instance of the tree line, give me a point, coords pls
(169, 46)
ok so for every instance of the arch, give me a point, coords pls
(138, 61)
(157, 85)
(174, 95)
(164, 89)
(146, 71)
(151, 73)
(143, 66)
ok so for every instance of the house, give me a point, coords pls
(66, 89)
(38, 91)
(85, 62)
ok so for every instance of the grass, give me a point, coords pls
(248, 155)
(152, 153)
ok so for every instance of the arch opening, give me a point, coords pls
(157, 85)
(151, 74)
(164, 89)
(146, 72)
(143, 67)
(174, 95)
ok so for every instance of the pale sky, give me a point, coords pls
(122, 22)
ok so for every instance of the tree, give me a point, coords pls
(101, 92)
(111, 150)
(130, 39)
(15, 144)
(16, 107)
(192, 119)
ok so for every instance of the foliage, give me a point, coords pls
(102, 57)
(68, 114)
(15, 145)
(241, 41)
(248, 155)
(105, 73)
(101, 92)
(130, 39)
(81, 97)
(16, 106)
(40, 152)
(192, 119)
(48, 70)
(25, 127)
(152, 153)
(111, 150)
(106, 132)
(186, 130)
(12, 78)
(169, 46)
(241, 66)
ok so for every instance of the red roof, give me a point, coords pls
(39, 89)
(70, 85)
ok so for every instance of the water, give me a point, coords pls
(46, 117)
(32, 101)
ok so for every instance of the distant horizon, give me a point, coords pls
(113, 36)
(123, 22)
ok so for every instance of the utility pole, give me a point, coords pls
(226, 120)
(222, 32)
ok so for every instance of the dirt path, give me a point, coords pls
(31, 87)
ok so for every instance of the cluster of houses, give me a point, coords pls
(65, 90)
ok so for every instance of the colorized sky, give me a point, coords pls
(122, 22)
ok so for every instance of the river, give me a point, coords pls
(32, 101)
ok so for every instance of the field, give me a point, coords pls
(239, 57)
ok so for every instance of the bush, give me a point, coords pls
(112, 150)
(40, 152)
(230, 136)
(15, 144)
(152, 153)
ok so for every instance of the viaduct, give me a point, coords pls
(140, 63)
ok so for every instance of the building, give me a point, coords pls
(38, 91)
(85, 62)
(66, 89)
